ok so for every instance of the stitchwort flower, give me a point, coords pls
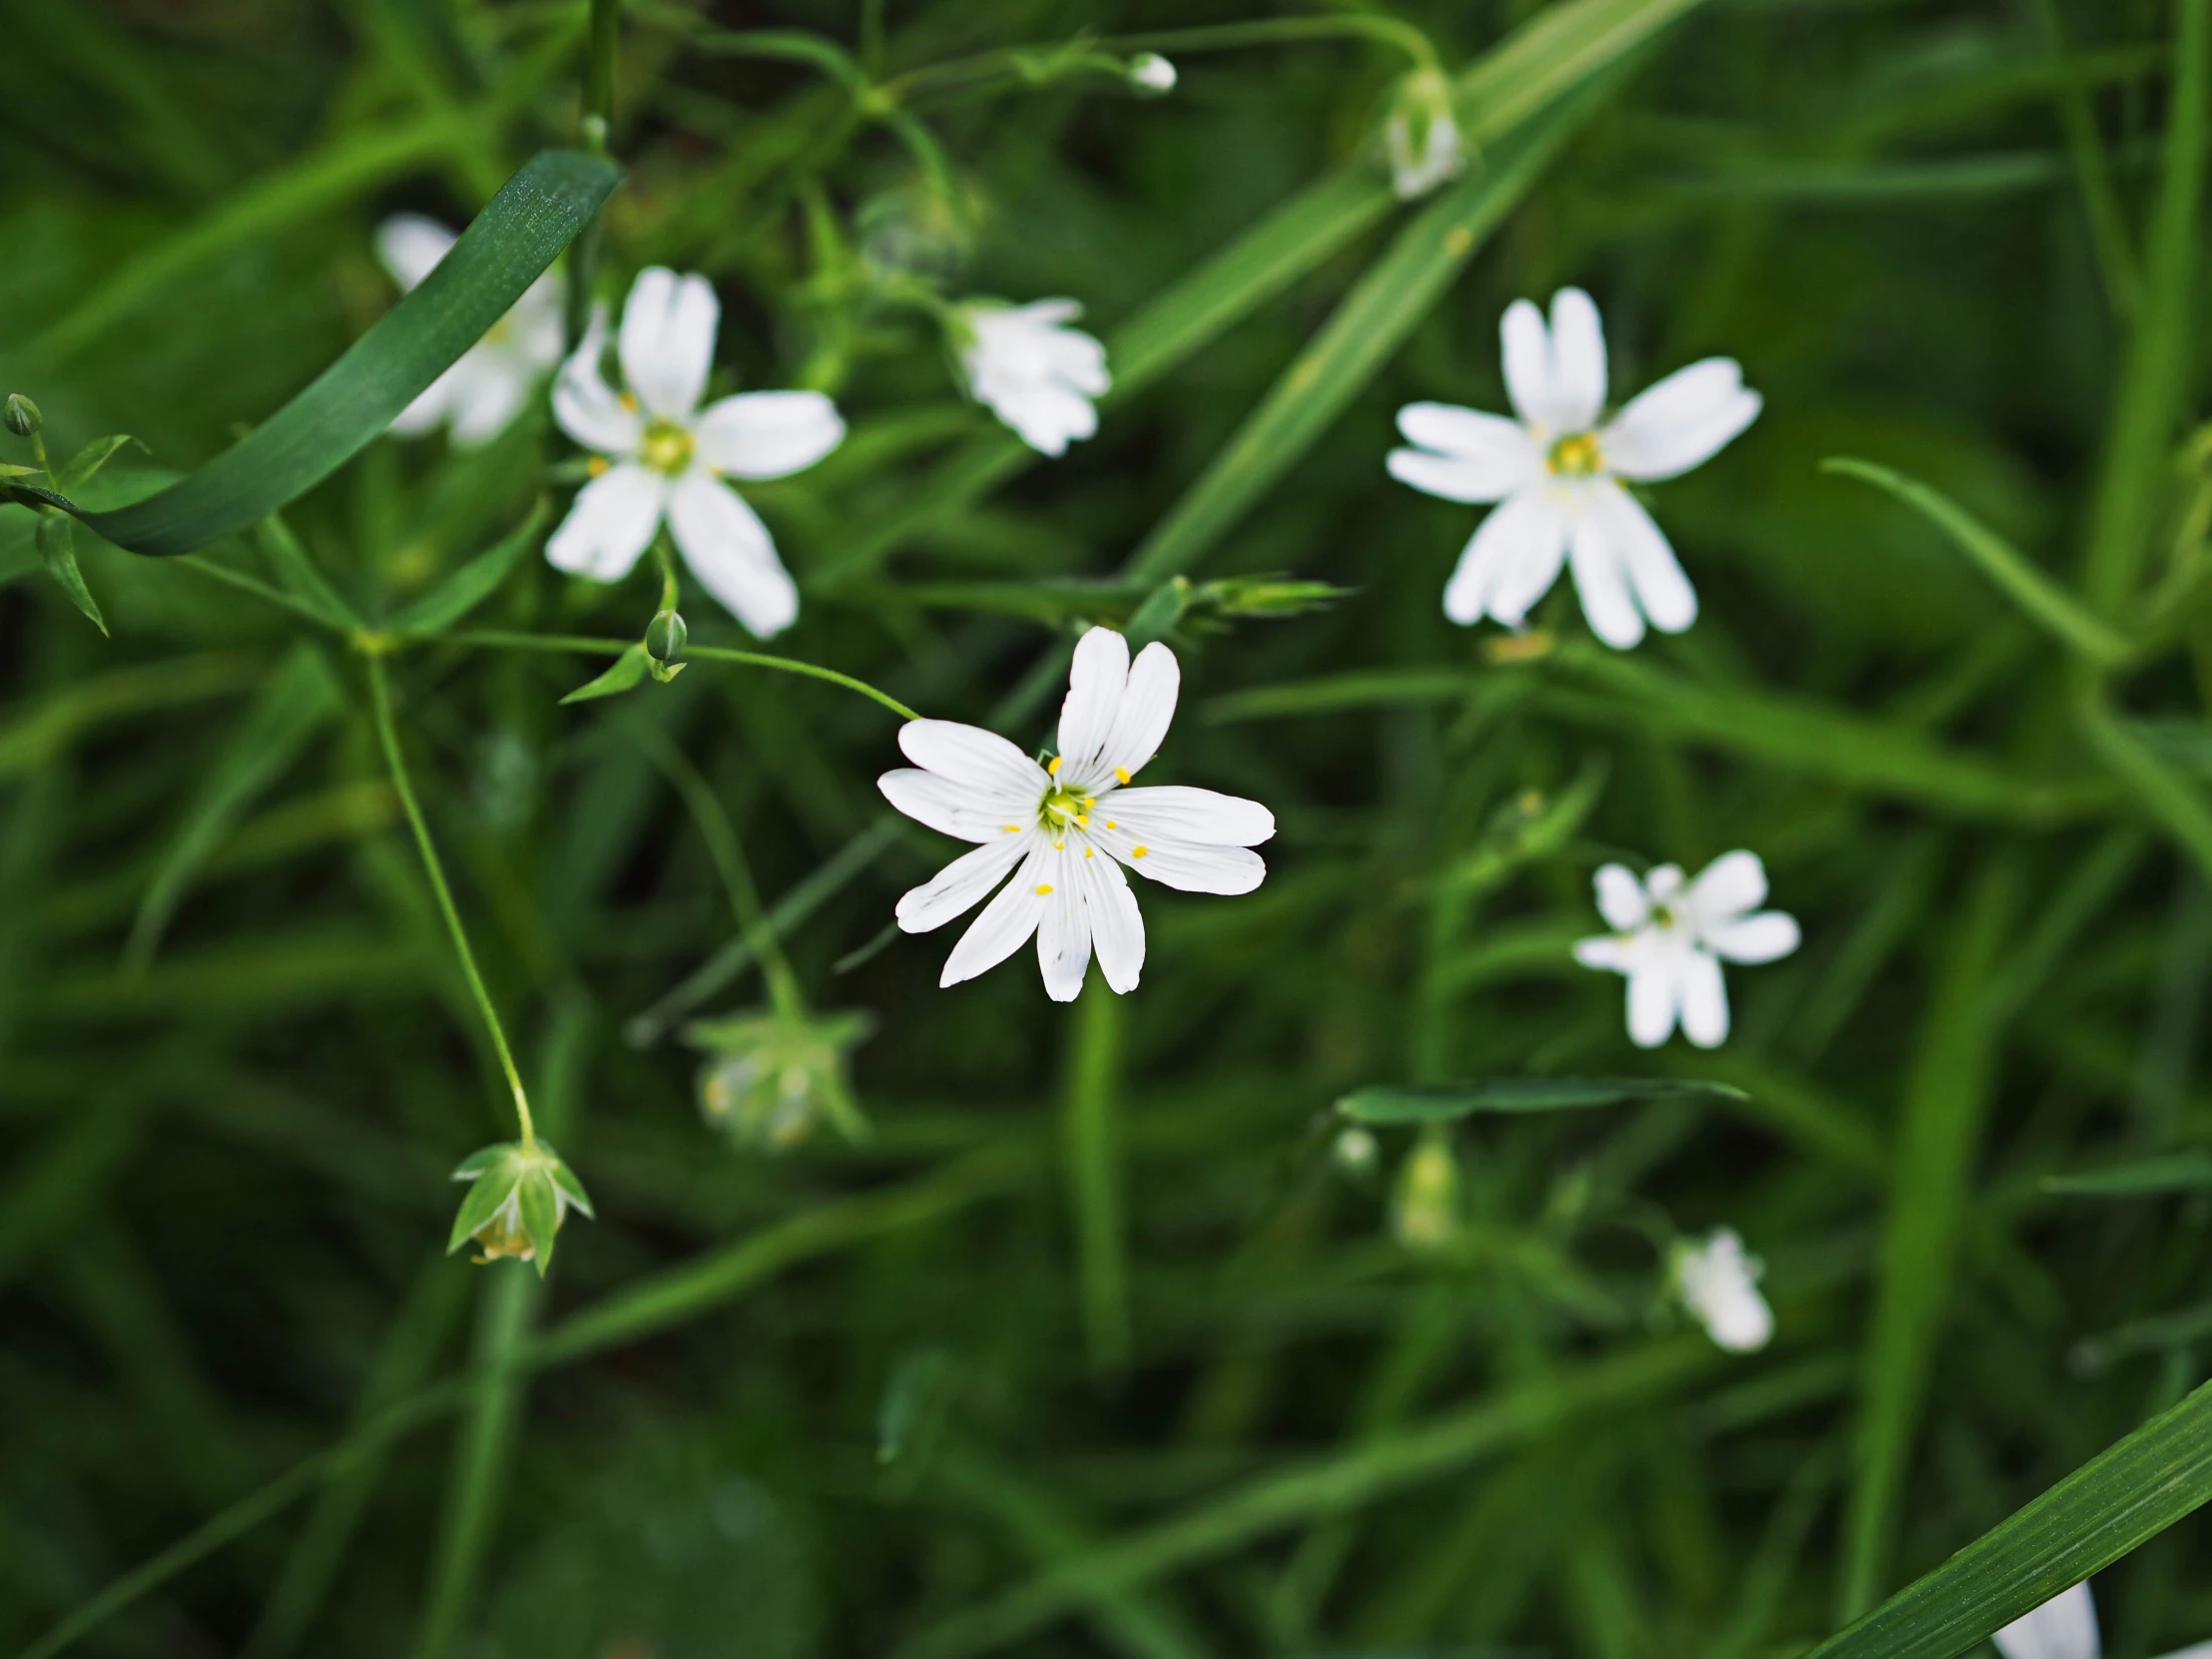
(2065, 1627)
(1670, 937)
(660, 456)
(1049, 825)
(1557, 473)
(1719, 1283)
(520, 1192)
(479, 397)
(1033, 372)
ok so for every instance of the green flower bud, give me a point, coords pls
(1426, 1210)
(1269, 596)
(22, 416)
(1423, 134)
(521, 1193)
(665, 638)
(769, 1078)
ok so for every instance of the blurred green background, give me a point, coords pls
(1094, 1347)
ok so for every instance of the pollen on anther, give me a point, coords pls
(1052, 767)
(1111, 825)
(1013, 829)
(630, 402)
(1090, 852)
(1138, 852)
(599, 466)
(1044, 887)
(1060, 846)
(1122, 772)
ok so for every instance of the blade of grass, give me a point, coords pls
(1092, 1149)
(2092, 169)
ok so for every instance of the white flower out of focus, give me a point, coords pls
(660, 456)
(1719, 1285)
(2065, 1627)
(1422, 135)
(479, 397)
(1151, 74)
(1033, 372)
(1670, 937)
(1067, 830)
(1556, 473)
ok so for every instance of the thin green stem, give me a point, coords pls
(2092, 170)
(253, 585)
(387, 734)
(1094, 1176)
(499, 640)
(753, 659)
(599, 73)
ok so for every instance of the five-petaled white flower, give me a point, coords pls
(1049, 825)
(1557, 475)
(491, 381)
(2065, 1627)
(659, 455)
(1034, 372)
(1719, 1285)
(1670, 939)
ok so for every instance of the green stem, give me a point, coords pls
(388, 736)
(599, 74)
(1094, 1177)
(498, 639)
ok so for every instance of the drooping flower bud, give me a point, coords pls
(1423, 134)
(770, 1078)
(1151, 76)
(1719, 1283)
(22, 416)
(665, 638)
(1425, 1211)
(522, 1193)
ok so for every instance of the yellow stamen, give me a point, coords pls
(1122, 772)
(1059, 846)
(1576, 456)
(630, 402)
(1044, 887)
(1052, 767)
(1082, 820)
(1088, 852)
(1111, 825)
(599, 466)
(1013, 829)
(1138, 852)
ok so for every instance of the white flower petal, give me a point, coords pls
(1526, 344)
(1098, 680)
(1147, 710)
(1600, 582)
(955, 808)
(1116, 925)
(1621, 899)
(1765, 937)
(1683, 420)
(731, 552)
(1045, 415)
(1035, 375)
(960, 885)
(1720, 1286)
(1178, 813)
(1651, 1003)
(611, 523)
(1730, 886)
(1664, 882)
(767, 434)
(1704, 1000)
(1577, 362)
(1006, 922)
(1184, 866)
(1464, 455)
(486, 402)
(1604, 952)
(1064, 925)
(1512, 560)
(1662, 592)
(537, 327)
(2064, 1627)
(587, 408)
(977, 758)
(667, 341)
(410, 247)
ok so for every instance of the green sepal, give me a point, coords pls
(565, 1179)
(541, 1216)
(482, 1203)
(628, 670)
(484, 1158)
(59, 552)
(90, 460)
(9, 469)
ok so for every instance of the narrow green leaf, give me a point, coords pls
(469, 586)
(2169, 796)
(2043, 600)
(90, 460)
(298, 697)
(57, 552)
(1161, 610)
(626, 672)
(2129, 1492)
(298, 573)
(1385, 1103)
(508, 246)
(2175, 1172)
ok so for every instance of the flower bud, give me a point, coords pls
(1425, 1211)
(1355, 1150)
(22, 416)
(1423, 134)
(1151, 76)
(1270, 596)
(769, 1077)
(521, 1193)
(665, 637)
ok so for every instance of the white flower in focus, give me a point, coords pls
(1067, 829)
(1670, 939)
(1035, 373)
(491, 381)
(1151, 74)
(1422, 136)
(1556, 474)
(659, 455)
(1719, 1285)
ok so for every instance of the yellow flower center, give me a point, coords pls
(1576, 456)
(1064, 807)
(667, 447)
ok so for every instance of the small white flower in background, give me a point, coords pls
(1719, 1285)
(660, 456)
(1151, 75)
(1034, 372)
(1671, 937)
(1049, 825)
(491, 381)
(1556, 474)
(1422, 136)
(2065, 1627)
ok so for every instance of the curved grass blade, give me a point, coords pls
(508, 246)
(1387, 1103)
(2174, 1172)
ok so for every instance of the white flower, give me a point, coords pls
(1151, 74)
(1719, 1285)
(2065, 1627)
(1556, 473)
(1049, 823)
(1422, 136)
(1036, 375)
(1670, 940)
(492, 381)
(659, 455)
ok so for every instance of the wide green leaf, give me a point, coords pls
(1383, 1103)
(508, 246)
